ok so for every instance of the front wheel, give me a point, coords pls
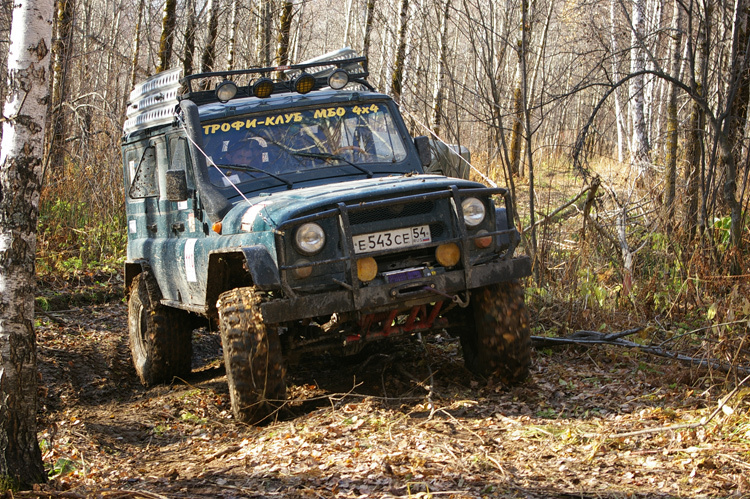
(252, 356)
(160, 337)
(499, 343)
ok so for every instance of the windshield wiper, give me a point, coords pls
(327, 156)
(246, 168)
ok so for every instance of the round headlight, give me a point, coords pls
(338, 79)
(473, 211)
(263, 88)
(310, 238)
(226, 91)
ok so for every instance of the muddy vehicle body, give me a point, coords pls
(295, 214)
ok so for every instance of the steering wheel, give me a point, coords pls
(356, 149)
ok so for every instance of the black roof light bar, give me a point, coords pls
(264, 82)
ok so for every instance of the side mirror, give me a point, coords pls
(176, 185)
(422, 144)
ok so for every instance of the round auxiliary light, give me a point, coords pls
(263, 88)
(304, 83)
(310, 238)
(367, 269)
(226, 90)
(338, 79)
(448, 254)
(473, 211)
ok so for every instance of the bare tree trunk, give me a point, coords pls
(61, 50)
(285, 27)
(437, 95)
(20, 182)
(208, 58)
(616, 76)
(398, 64)
(518, 98)
(368, 27)
(189, 53)
(265, 22)
(232, 36)
(136, 45)
(672, 120)
(640, 149)
(697, 123)
(167, 35)
(348, 29)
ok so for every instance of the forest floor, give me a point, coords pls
(372, 426)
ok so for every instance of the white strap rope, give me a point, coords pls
(484, 177)
(211, 161)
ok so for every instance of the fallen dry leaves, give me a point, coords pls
(365, 427)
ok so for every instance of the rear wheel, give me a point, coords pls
(160, 337)
(252, 356)
(499, 343)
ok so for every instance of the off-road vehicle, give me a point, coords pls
(290, 206)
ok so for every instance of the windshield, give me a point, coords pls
(297, 140)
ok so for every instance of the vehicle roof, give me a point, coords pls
(245, 105)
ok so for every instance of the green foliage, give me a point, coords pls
(62, 467)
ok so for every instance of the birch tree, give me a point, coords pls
(640, 144)
(20, 180)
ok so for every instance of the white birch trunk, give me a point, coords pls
(20, 180)
(619, 118)
(640, 146)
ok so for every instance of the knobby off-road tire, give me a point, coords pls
(499, 344)
(252, 356)
(160, 337)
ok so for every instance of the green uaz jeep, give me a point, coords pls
(290, 207)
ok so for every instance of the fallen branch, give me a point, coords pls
(690, 426)
(616, 339)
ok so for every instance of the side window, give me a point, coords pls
(144, 183)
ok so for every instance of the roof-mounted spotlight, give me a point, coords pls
(263, 88)
(338, 79)
(226, 90)
(304, 83)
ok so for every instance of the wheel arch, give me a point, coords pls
(239, 267)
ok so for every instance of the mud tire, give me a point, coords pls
(160, 337)
(252, 357)
(499, 343)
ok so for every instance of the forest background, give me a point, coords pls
(620, 127)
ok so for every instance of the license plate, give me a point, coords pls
(390, 239)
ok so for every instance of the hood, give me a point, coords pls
(266, 211)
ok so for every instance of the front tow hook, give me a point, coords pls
(454, 298)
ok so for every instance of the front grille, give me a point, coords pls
(391, 212)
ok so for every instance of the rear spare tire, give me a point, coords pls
(252, 356)
(160, 337)
(499, 343)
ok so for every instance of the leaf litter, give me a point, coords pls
(391, 422)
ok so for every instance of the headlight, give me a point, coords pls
(473, 211)
(310, 238)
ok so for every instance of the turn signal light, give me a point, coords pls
(367, 269)
(216, 227)
(448, 255)
(303, 272)
(484, 241)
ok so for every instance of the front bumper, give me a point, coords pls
(402, 295)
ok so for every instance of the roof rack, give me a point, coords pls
(278, 74)
(152, 102)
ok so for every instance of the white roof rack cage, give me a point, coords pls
(152, 102)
